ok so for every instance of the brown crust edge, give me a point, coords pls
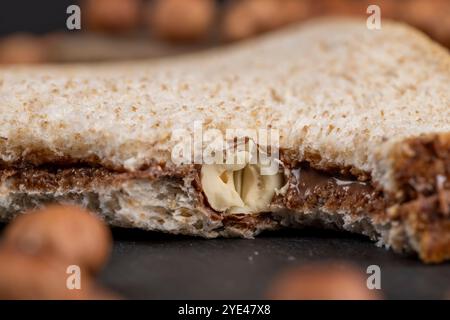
(417, 162)
(427, 222)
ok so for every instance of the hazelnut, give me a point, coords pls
(22, 48)
(238, 23)
(27, 277)
(111, 15)
(294, 10)
(430, 16)
(389, 8)
(246, 18)
(181, 20)
(322, 282)
(239, 188)
(72, 234)
(345, 8)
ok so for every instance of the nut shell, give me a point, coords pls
(116, 16)
(322, 282)
(27, 277)
(69, 233)
(23, 49)
(181, 20)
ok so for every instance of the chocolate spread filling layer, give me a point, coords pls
(309, 188)
(306, 188)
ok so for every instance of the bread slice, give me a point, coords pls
(364, 134)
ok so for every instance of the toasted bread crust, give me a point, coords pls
(427, 221)
(419, 162)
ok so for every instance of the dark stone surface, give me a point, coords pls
(33, 16)
(147, 265)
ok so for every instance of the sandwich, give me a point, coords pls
(327, 124)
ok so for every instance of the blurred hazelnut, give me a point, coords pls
(111, 15)
(22, 48)
(322, 282)
(430, 16)
(419, 12)
(294, 10)
(249, 17)
(181, 20)
(345, 7)
(389, 8)
(69, 233)
(239, 23)
(27, 277)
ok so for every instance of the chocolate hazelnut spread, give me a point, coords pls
(338, 198)
(308, 188)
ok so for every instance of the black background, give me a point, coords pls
(35, 16)
(148, 265)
